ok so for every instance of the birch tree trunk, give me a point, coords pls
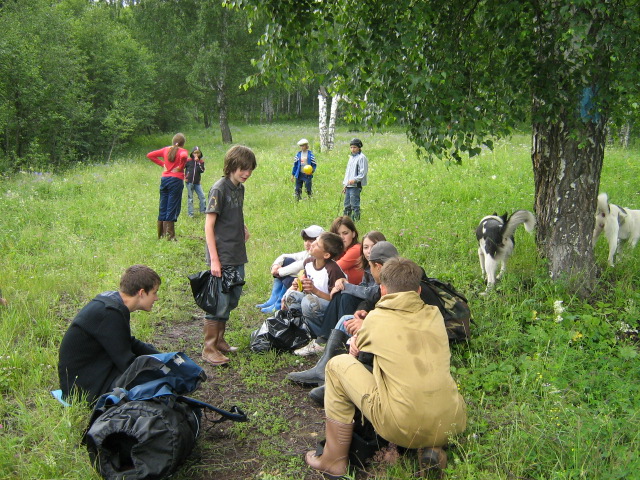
(322, 119)
(567, 176)
(267, 108)
(332, 122)
(625, 135)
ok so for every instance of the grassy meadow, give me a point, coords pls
(551, 381)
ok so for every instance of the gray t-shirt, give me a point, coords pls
(227, 199)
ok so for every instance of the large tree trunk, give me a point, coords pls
(222, 113)
(567, 176)
(322, 119)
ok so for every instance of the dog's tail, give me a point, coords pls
(519, 217)
(603, 204)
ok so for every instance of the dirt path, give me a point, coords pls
(235, 451)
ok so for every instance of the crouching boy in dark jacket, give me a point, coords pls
(98, 346)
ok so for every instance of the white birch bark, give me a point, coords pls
(322, 120)
(332, 122)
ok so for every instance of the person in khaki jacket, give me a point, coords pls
(409, 397)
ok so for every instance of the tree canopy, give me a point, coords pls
(458, 74)
(462, 72)
(78, 77)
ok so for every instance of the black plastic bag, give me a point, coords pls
(260, 342)
(285, 331)
(231, 278)
(205, 290)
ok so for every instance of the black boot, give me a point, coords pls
(317, 395)
(336, 345)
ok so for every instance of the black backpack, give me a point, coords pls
(452, 305)
(148, 429)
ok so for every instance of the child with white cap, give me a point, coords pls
(286, 267)
(304, 165)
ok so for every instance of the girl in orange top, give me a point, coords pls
(349, 261)
(172, 159)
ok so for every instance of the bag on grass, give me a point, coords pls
(452, 305)
(161, 374)
(285, 331)
(146, 432)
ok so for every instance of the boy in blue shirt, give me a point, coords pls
(226, 236)
(355, 177)
(303, 158)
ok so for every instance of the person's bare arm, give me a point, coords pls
(210, 235)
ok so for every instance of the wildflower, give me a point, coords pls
(558, 308)
(626, 328)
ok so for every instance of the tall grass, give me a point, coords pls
(552, 394)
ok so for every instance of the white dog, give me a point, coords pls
(495, 239)
(618, 224)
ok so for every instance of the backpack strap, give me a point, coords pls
(235, 415)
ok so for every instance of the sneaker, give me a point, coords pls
(312, 347)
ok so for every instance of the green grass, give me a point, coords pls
(548, 397)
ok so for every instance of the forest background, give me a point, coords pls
(79, 78)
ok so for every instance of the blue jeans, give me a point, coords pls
(312, 308)
(305, 179)
(227, 301)
(170, 199)
(352, 202)
(198, 189)
(340, 324)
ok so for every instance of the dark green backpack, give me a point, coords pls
(452, 305)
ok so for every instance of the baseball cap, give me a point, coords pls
(312, 231)
(303, 141)
(383, 251)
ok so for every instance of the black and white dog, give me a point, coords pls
(618, 224)
(495, 240)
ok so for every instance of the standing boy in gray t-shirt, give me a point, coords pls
(226, 236)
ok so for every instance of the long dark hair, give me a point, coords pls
(177, 142)
(347, 222)
(375, 236)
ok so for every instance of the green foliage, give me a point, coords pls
(72, 84)
(42, 94)
(120, 79)
(549, 379)
(456, 74)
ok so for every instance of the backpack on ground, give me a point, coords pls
(148, 430)
(452, 305)
(285, 331)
